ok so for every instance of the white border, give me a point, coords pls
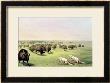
(97, 68)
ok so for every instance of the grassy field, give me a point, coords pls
(51, 60)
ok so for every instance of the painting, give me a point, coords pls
(55, 41)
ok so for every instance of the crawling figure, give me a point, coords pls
(64, 61)
(76, 59)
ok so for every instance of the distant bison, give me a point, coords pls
(48, 48)
(81, 45)
(63, 47)
(72, 46)
(41, 49)
(32, 48)
(23, 55)
(54, 46)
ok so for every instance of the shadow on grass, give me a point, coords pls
(28, 64)
(50, 52)
(41, 54)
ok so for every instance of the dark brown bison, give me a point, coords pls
(41, 48)
(72, 46)
(23, 55)
(32, 48)
(82, 45)
(63, 47)
(79, 45)
(38, 48)
(48, 48)
(54, 46)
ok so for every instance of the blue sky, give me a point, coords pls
(55, 28)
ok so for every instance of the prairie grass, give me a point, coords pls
(51, 59)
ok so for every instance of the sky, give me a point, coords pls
(55, 28)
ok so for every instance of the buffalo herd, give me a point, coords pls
(23, 54)
(42, 48)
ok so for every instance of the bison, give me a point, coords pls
(63, 47)
(23, 55)
(41, 48)
(32, 48)
(38, 48)
(48, 48)
(72, 46)
(54, 46)
(81, 45)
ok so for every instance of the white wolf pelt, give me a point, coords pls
(76, 59)
(64, 61)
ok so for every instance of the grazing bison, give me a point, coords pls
(81, 45)
(38, 48)
(32, 48)
(41, 49)
(48, 48)
(63, 47)
(54, 46)
(23, 55)
(72, 46)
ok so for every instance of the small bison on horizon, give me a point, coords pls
(23, 55)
